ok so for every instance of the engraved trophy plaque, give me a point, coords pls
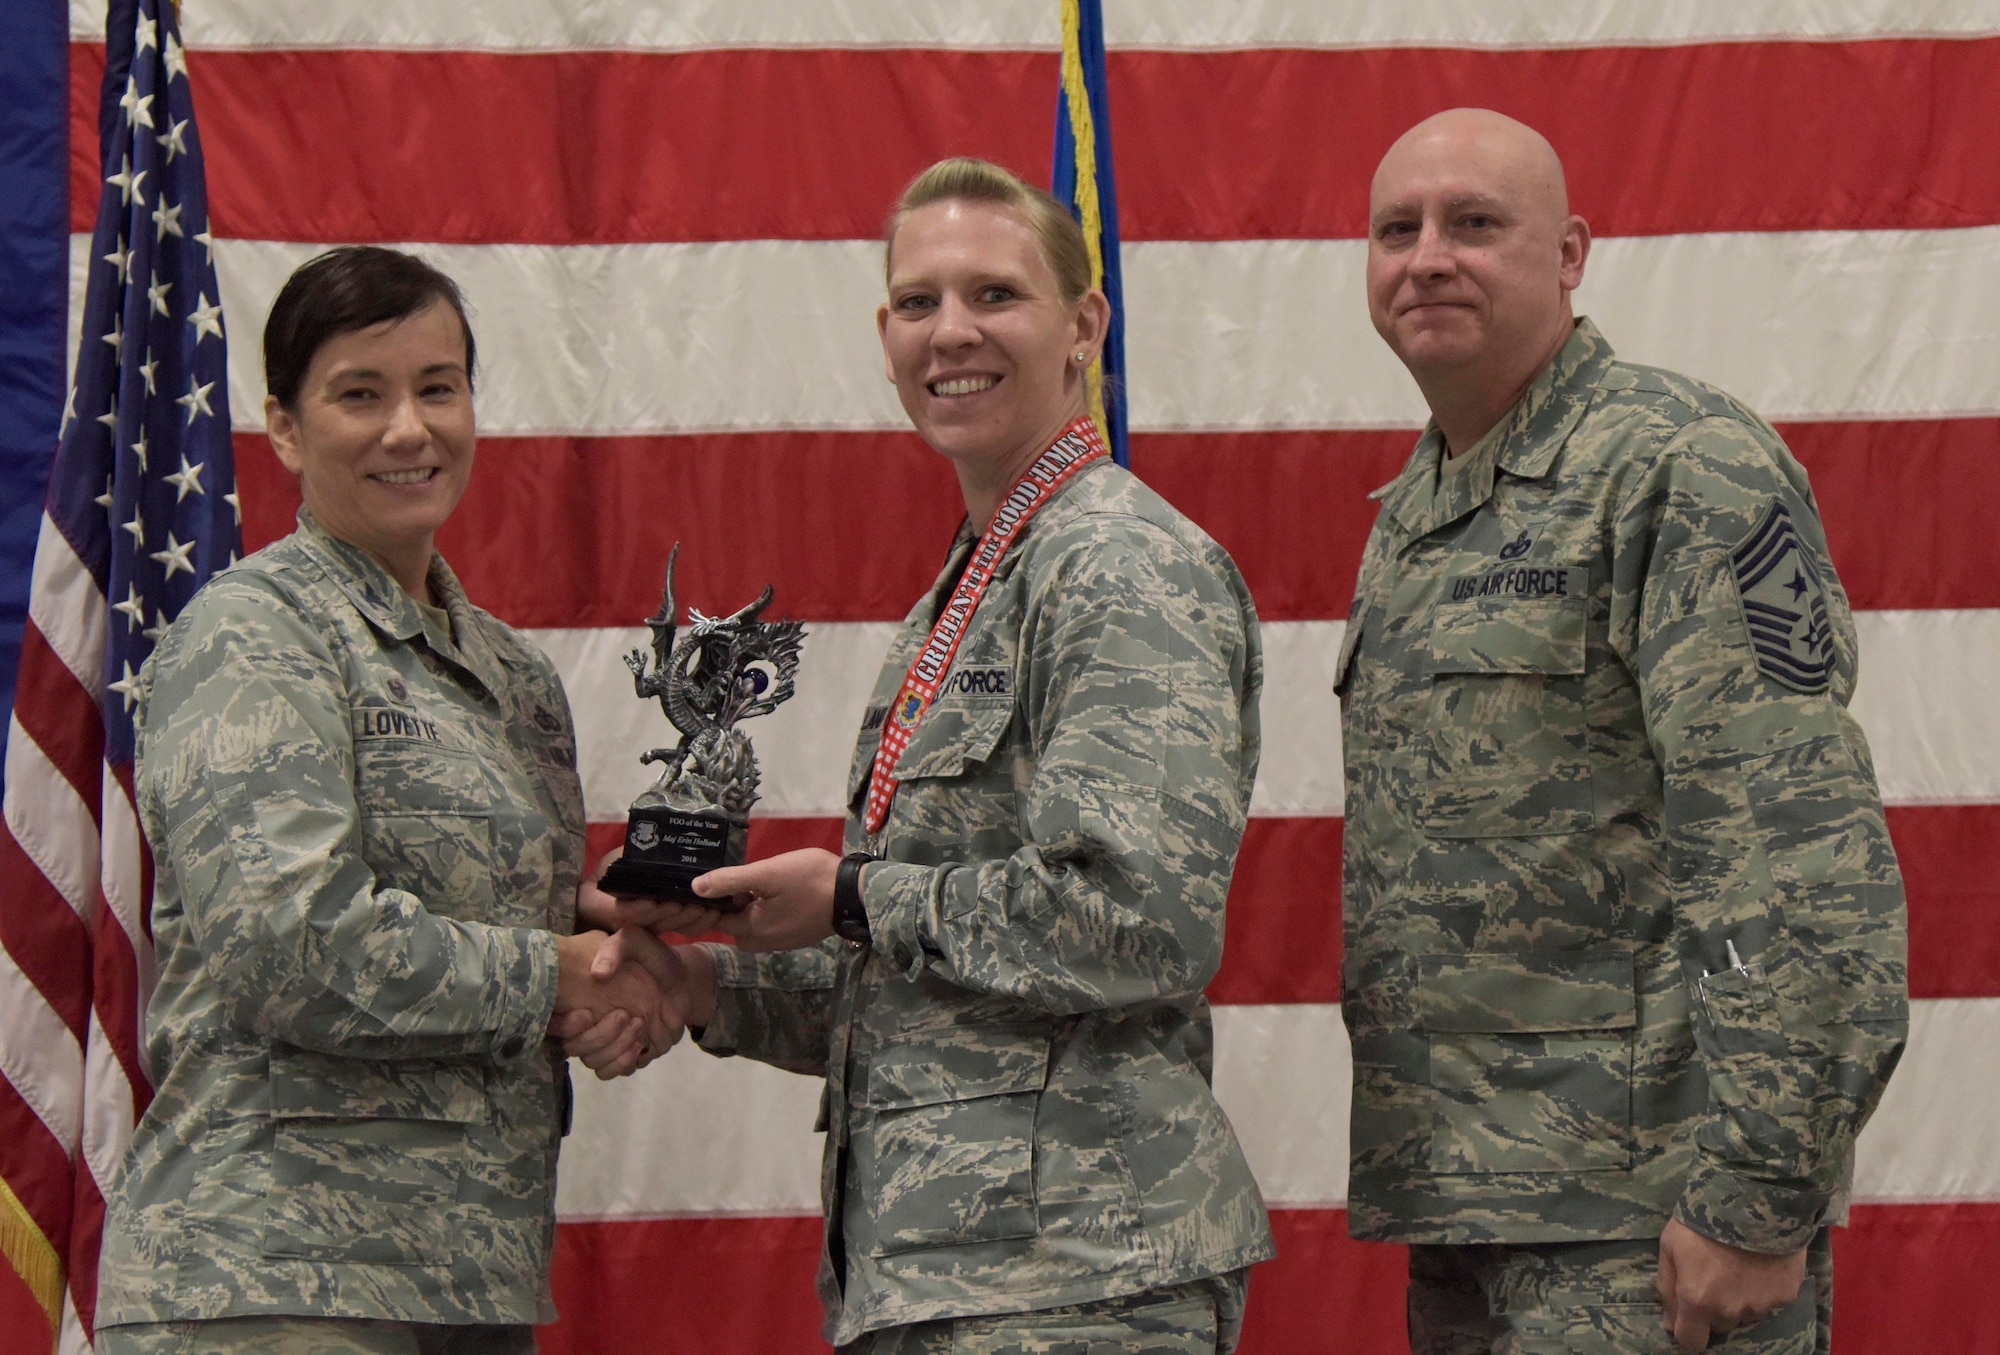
(708, 676)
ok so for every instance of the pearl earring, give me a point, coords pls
(1081, 357)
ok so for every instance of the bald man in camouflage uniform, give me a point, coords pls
(1625, 937)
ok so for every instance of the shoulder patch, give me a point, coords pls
(1784, 603)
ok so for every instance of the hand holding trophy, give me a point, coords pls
(710, 675)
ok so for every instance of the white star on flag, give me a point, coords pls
(166, 220)
(206, 317)
(133, 606)
(172, 141)
(127, 183)
(128, 687)
(138, 107)
(121, 259)
(237, 504)
(175, 556)
(175, 58)
(139, 448)
(186, 480)
(156, 292)
(196, 400)
(136, 527)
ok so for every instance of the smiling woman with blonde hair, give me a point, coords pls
(1002, 979)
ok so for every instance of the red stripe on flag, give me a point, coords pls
(854, 526)
(35, 1167)
(86, 1239)
(1282, 938)
(59, 713)
(696, 1286)
(46, 938)
(1903, 1281)
(21, 1316)
(817, 143)
(1281, 932)
(1894, 127)
(491, 147)
(120, 1013)
(1950, 856)
(1907, 1279)
(1909, 507)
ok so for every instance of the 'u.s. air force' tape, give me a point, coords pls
(1784, 603)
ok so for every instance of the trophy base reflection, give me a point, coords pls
(666, 849)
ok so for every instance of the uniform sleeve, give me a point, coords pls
(1727, 608)
(247, 762)
(1141, 682)
(776, 1008)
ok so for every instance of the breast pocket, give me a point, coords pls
(944, 1146)
(1508, 725)
(426, 826)
(956, 790)
(367, 1157)
(1530, 1061)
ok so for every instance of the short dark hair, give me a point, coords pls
(339, 292)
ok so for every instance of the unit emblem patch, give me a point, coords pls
(1784, 604)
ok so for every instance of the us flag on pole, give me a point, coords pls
(141, 510)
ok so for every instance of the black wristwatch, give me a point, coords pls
(850, 914)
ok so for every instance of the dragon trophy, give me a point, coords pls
(716, 671)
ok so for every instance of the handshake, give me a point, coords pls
(625, 999)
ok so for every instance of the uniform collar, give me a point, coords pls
(391, 611)
(1525, 443)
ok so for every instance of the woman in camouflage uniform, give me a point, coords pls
(362, 797)
(1002, 981)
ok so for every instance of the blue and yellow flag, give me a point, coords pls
(1083, 180)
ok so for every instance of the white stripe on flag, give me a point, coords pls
(107, 1108)
(1234, 335)
(50, 821)
(122, 879)
(730, 1136)
(40, 1058)
(534, 25)
(1924, 702)
(67, 606)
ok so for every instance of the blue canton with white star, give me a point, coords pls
(144, 484)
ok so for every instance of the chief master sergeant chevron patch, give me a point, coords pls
(1784, 603)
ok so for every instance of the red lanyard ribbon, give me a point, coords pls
(1078, 447)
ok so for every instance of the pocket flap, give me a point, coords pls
(989, 1062)
(419, 778)
(955, 735)
(1522, 994)
(309, 1085)
(1511, 635)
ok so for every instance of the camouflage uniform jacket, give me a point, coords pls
(1017, 1105)
(1595, 713)
(365, 833)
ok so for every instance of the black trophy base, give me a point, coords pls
(665, 849)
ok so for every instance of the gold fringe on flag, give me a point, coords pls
(28, 1250)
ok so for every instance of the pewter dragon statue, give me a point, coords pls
(716, 672)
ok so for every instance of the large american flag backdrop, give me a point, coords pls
(665, 218)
